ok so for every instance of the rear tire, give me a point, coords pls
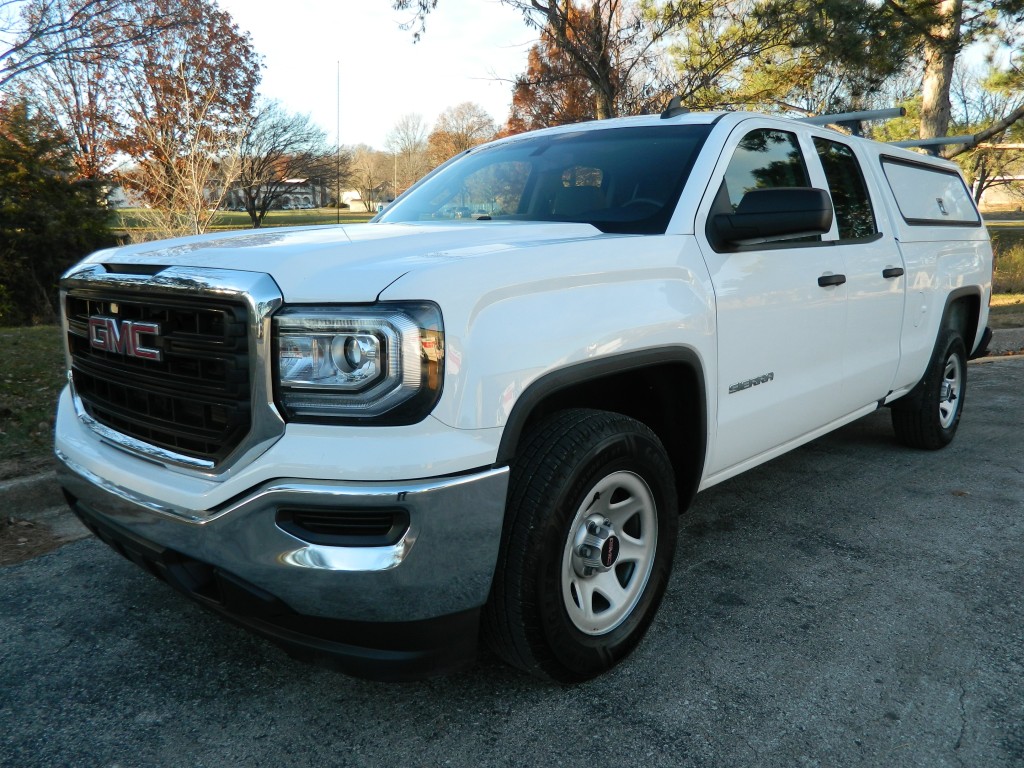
(589, 536)
(929, 416)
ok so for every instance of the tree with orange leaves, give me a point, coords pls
(550, 92)
(184, 101)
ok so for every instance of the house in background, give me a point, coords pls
(379, 196)
(291, 194)
(353, 199)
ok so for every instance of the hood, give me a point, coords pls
(349, 263)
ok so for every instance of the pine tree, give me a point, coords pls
(49, 218)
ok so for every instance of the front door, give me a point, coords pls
(781, 322)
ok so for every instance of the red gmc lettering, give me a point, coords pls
(105, 333)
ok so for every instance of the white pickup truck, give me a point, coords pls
(380, 443)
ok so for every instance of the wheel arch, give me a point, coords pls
(663, 388)
(962, 313)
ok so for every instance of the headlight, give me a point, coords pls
(383, 362)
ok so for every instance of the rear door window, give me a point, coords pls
(855, 218)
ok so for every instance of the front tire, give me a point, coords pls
(587, 548)
(928, 417)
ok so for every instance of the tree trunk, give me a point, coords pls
(46, 313)
(604, 107)
(942, 44)
(980, 179)
(585, 38)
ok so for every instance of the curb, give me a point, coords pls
(29, 497)
(38, 500)
(1006, 341)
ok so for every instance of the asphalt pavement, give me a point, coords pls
(853, 603)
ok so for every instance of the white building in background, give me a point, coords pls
(294, 194)
(353, 198)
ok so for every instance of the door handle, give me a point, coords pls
(892, 272)
(826, 280)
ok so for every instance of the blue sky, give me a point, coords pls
(470, 51)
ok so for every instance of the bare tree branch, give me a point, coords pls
(278, 146)
(41, 31)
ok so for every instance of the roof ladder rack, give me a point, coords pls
(852, 120)
(931, 146)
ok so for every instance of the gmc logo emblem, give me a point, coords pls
(124, 338)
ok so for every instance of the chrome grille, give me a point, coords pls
(195, 400)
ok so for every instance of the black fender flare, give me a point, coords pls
(971, 330)
(947, 321)
(588, 371)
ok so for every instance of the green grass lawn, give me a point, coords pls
(1007, 311)
(1008, 252)
(1008, 263)
(30, 382)
(1005, 234)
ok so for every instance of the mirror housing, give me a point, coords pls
(764, 215)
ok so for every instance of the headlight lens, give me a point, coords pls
(382, 362)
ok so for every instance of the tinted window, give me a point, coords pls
(854, 214)
(618, 179)
(765, 159)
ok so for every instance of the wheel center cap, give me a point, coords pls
(610, 551)
(596, 547)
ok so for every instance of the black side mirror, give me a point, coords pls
(773, 214)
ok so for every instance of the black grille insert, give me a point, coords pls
(194, 400)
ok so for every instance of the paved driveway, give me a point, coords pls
(854, 603)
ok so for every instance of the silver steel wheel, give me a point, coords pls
(586, 553)
(949, 391)
(609, 553)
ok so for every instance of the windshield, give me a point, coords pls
(619, 179)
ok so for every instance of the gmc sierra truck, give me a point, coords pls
(478, 417)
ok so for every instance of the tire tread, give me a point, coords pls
(915, 418)
(511, 626)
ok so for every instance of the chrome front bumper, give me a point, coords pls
(440, 568)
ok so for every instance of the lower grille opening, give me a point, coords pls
(334, 527)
